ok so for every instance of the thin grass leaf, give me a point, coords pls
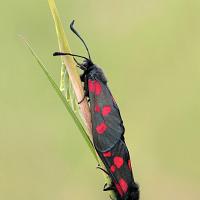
(63, 99)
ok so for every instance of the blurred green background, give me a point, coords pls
(149, 51)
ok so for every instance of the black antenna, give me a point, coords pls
(76, 33)
(74, 55)
(69, 54)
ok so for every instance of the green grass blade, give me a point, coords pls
(63, 99)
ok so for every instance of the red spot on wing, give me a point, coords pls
(118, 161)
(129, 164)
(112, 168)
(94, 86)
(101, 128)
(97, 108)
(98, 88)
(91, 85)
(119, 189)
(106, 110)
(107, 154)
(123, 184)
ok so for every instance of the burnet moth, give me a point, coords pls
(107, 128)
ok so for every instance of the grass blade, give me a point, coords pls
(65, 102)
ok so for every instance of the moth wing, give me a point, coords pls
(117, 162)
(108, 131)
(107, 124)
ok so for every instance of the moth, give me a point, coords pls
(107, 128)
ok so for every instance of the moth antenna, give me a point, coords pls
(69, 54)
(78, 35)
(74, 55)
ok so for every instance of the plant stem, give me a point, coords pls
(71, 67)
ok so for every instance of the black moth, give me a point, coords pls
(107, 128)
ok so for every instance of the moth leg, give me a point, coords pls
(108, 187)
(85, 95)
(82, 77)
(98, 167)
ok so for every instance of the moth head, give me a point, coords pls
(86, 65)
(87, 62)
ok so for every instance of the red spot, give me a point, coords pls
(129, 165)
(97, 108)
(97, 86)
(101, 128)
(91, 85)
(107, 154)
(119, 189)
(123, 185)
(112, 168)
(106, 110)
(118, 161)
